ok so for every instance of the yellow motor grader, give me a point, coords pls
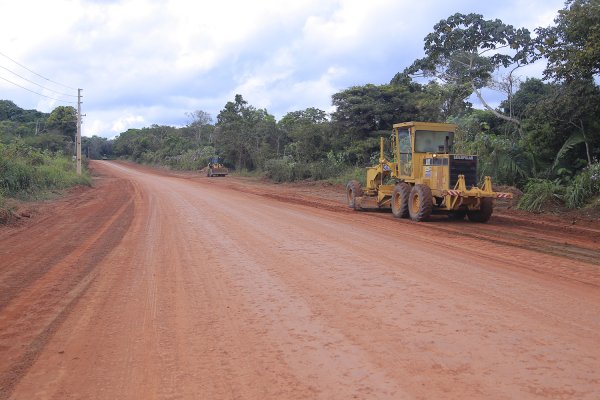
(216, 168)
(425, 177)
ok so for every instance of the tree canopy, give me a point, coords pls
(63, 121)
(572, 46)
(465, 49)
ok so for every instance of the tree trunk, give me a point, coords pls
(496, 113)
(587, 146)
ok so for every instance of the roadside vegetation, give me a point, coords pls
(543, 138)
(32, 167)
(27, 172)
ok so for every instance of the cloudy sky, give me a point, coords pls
(144, 62)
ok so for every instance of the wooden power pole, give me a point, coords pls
(78, 140)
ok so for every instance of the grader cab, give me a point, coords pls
(425, 177)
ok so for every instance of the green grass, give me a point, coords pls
(59, 175)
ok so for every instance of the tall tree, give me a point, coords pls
(242, 131)
(467, 49)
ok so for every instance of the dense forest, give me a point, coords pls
(544, 137)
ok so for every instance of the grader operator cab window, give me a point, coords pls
(433, 142)
(405, 152)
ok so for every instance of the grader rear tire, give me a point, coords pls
(485, 211)
(420, 203)
(400, 199)
(353, 190)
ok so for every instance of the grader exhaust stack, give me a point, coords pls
(425, 177)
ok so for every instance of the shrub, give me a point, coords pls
(348, 174)
(540, 193)
(321, 170)
(25, 172)
(584, 187)
(193, 159)
(286, 170)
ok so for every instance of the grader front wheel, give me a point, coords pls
(353, 190)
(420, 203)
(484, 213)
(400, 199)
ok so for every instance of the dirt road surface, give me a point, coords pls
(152, 285)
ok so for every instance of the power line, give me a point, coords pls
(37, 84)
(35, 73)
(39, 94)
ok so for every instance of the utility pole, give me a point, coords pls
(78, 140)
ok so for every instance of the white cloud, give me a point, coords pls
(122, 123)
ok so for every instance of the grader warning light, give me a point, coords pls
(425, 177)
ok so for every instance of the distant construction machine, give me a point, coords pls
(216, 168)
(425, 177)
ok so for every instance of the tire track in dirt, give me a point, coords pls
(34, 309)
(283, 317)
(19, 270)
(233, 368)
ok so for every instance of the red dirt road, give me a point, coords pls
(160, 286)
